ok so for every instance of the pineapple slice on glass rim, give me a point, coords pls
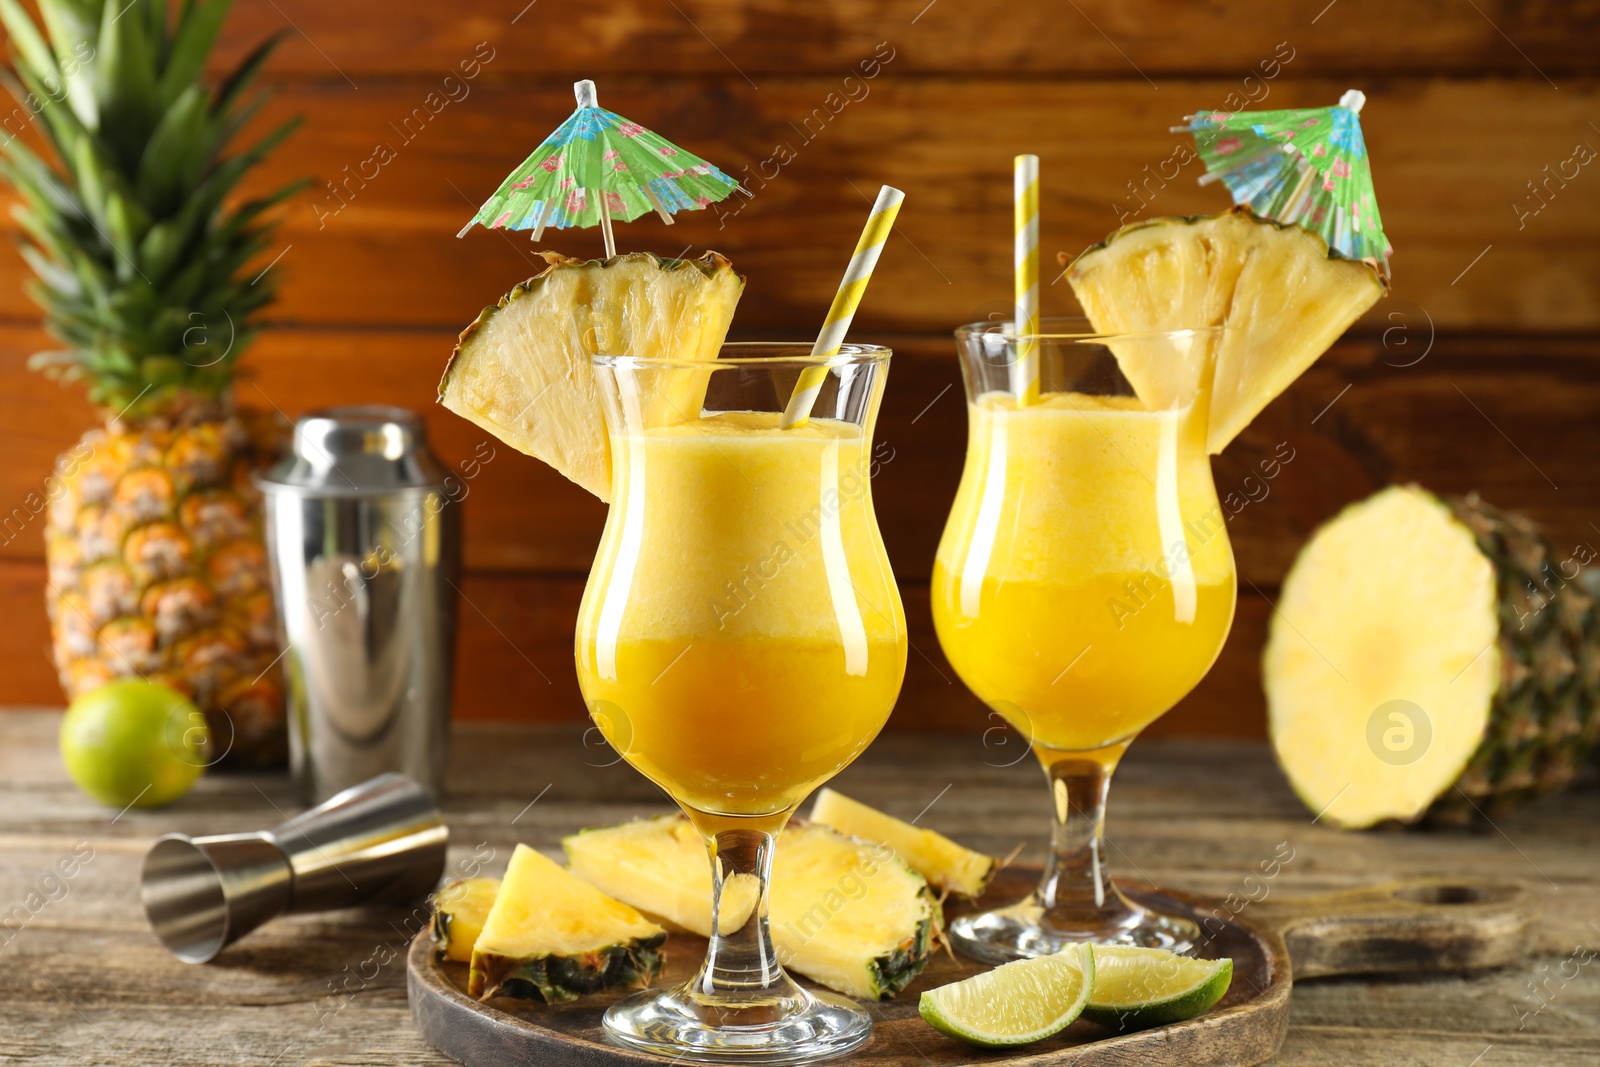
(521, 369)
(1283, 295)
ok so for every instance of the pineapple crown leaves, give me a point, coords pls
(138, 261)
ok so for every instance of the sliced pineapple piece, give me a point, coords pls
(1382, 661)
(1284, 297)
(945, 864)
(521, 370)
(459, 910)
(847, 914)
(555, 937)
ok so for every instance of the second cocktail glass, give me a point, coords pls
(1084, 584)
(740, 642)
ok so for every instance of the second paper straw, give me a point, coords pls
(845, 301)
(1025, 368)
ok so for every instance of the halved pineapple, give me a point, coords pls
(1284, 297)
(555, 937)
(945, 864)
(459, 910)
(849, 915)
(521, 370)
(1430, 657)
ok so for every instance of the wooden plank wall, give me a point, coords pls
(1481, 371)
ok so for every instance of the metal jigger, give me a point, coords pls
(381, 841)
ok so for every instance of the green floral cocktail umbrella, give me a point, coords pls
(1307, 166)
(596, 167)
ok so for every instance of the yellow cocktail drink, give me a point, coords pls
(1084, 583)
(741, 639)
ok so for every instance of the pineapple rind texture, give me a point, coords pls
(553, 937)
(156, 569)
(1463, 612)
(847, 914)
(1546, 715)
(1284, 296)
(521, 369)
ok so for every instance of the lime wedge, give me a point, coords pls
(1016, 1003)
(1137, 988)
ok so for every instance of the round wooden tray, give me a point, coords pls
(1413, 926)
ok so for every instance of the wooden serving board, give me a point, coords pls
(1402, 927)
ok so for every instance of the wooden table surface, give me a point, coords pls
(82, 980)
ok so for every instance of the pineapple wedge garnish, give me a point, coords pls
(554, 937)
(1283, 296)
(847, 914)
(521, 370)
(945, 864)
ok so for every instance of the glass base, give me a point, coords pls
(1026, 930)
(800, 1028)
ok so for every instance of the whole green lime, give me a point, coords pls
(135, 743)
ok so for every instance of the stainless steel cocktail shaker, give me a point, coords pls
(365, 542)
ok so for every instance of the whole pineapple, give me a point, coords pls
(156, 564)
(1432, 658)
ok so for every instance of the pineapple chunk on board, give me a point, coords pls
(554, 937)
(846, 914)
(459, 911)
(945, 864)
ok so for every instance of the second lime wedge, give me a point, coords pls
(1016, 1003)
(1137, 988)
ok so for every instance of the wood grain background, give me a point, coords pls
(1481, 371)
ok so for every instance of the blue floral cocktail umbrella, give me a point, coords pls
(596, 167)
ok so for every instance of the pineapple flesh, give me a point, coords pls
(946, 865)
(521, 370)
(1284, 298)
(459, 911)
(846, 914)
(147, 266)
(553, 937)
(1429, 659)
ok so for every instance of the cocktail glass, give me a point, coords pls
(740, 642)
(1084, 584)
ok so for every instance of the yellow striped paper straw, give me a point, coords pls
(856, 276)
(1025, 369)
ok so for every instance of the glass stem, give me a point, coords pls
(741, 973)
(1076, 889)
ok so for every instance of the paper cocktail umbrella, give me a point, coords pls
(598, 167)
(1307, 166)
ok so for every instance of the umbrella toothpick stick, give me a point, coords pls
(605, 228)
(655, 202)
(798, 411)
